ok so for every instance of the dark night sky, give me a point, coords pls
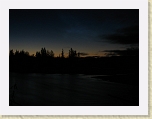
(88, 31)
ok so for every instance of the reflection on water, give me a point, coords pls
(69, 90)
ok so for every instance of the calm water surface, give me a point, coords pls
(68, 90)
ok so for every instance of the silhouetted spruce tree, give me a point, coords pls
(62, 54)
(27, 53)
(43, 52)
(11, 53)
(72, 53)
(38, 54)
(50, 53)
(17, 53)
(22, 53)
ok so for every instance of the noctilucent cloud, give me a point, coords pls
(89, 31)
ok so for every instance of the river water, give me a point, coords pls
(68, 90)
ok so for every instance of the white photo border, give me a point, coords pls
(142, 109)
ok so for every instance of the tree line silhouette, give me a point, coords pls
(44, 53)
(73, 53)
(18, 53)
(127, 62)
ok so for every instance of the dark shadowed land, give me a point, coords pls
(74, 81)
(116, 67)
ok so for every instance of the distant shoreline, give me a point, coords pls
(124, 79)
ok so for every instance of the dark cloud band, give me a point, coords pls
(129, 35)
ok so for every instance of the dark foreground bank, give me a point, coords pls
(104, 65)
(69, 90)
(106, 81)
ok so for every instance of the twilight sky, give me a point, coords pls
(89, 31)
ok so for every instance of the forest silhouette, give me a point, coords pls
(115, 63)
